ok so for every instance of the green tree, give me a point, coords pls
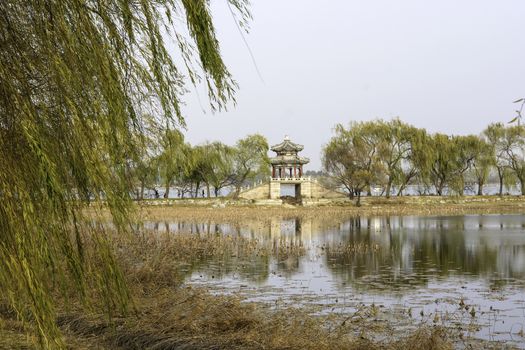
(399, 147)
(221, 158)
(452, 157)
(213, 166)
(250, 159)
(443, 164)
(468, 148)
(144, 162)
(175, 160)
(201, 170)
(483, 162)
(514, 152)
(494, 135)
(351, 159)
(144, 173)
(76, 77)
(416, 164)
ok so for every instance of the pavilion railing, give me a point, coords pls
(280, 179)
(291, 179)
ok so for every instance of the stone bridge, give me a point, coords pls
(306, 190)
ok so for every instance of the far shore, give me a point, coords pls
(224, 208)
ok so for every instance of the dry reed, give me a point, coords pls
(169, 315)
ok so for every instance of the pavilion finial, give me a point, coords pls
(286, 138)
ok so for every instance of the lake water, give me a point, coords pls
(466, 272)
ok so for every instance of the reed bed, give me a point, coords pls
(187, 318)
(167, 314)
(158, 260)
(351, 249)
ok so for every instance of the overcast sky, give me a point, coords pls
(450, 66)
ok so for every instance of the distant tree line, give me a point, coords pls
(392, 154)
(168, 161)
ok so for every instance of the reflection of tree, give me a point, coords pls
(357, 261)
(429, 247)
(390, 252)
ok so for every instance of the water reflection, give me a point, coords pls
(402, 251)
(425, 264)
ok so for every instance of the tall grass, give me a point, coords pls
(168, 314)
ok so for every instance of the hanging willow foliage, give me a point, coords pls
(75, 78)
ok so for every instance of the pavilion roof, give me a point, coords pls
(287, 146)
(289, 160)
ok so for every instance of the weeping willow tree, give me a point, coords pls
(76, 78)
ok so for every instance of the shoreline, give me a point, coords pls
(222, 208)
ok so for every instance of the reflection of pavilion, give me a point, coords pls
(291, 229)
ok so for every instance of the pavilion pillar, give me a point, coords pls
(294, 171)
(273, 171)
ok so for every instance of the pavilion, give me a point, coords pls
(287, 163)
(287, 171)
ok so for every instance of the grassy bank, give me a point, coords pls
(372, 206)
